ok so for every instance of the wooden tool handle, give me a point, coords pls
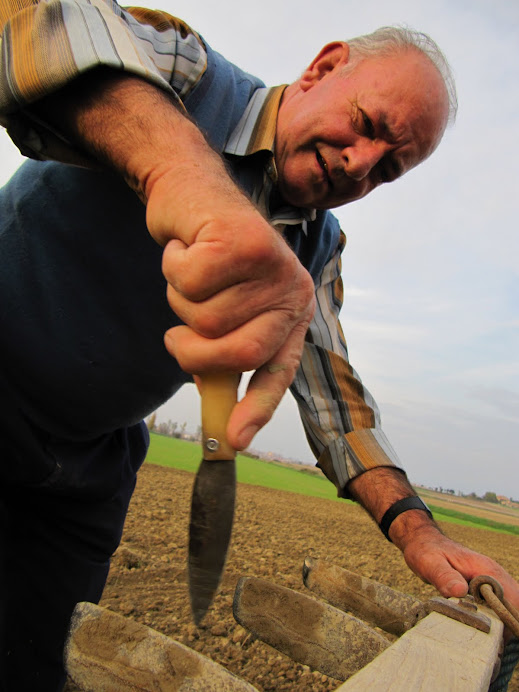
(219, 395)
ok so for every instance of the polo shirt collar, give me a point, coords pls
(256, 132)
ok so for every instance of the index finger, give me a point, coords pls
(266, 389)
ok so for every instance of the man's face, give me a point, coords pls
(341, 134)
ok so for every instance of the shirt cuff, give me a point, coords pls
(355, 453)
(88, 37)
(62, 40)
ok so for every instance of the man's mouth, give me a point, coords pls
(324, 167)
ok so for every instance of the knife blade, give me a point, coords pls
(214, 491)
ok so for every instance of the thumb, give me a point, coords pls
(452, 585)
(432, 565)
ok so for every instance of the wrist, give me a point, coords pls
(196, 199)
(405, 504)
(410, 526)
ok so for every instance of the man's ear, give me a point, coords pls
(333, 55)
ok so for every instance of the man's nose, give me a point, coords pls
(360, 159)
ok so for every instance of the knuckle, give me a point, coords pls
(293, 362)
(190, 361)
(183, 276)
(260, 253)
(307, 289)
(266, 401)
(310, 310)
(251, 355)
(266, 412)
(207, 324)
(188, 286)
(168, 266)
(300, 299)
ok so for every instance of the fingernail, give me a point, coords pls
(246, 435)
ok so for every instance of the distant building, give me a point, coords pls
(507, 501)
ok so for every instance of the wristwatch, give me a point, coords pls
(397, 508)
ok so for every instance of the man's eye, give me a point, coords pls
(369, 128)
(387, 171)
(385, 176)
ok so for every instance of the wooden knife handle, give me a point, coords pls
(219, 395)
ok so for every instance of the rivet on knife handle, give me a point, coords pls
(218, 392)
(214, 491)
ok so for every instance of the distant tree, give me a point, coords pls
(178, 432)
(150, 423)
(168, 428)
(490, 497)
(162, 428)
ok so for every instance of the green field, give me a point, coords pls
(179, 454)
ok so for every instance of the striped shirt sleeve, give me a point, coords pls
(46, 44)
(339, 415)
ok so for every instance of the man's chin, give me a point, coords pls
(302, 198)
(353, 196)
(297, 195)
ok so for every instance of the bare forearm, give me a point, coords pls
(118, 118)
(429, 553)
(143, 133)
(378, 489)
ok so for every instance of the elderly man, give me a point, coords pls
(236, 181)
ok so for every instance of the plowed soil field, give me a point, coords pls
(274, 531)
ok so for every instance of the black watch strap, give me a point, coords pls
(397, 508)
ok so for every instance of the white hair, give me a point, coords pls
(389, 40)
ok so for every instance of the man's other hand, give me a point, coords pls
(448, 566)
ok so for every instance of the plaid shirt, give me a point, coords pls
(47, 44)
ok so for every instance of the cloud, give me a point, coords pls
(463, 450)
(504, 401)
(430, 268)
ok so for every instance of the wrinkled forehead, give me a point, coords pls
(409, 92)
(406, 72)
(431, 101)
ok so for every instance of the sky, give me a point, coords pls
(431, 264)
